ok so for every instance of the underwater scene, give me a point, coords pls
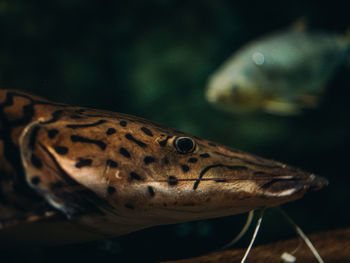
(268, 78)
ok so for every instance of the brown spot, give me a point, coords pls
(135, 176)
(74, 116)
(133, 139)
(83, 162)
(110, 190)
(35, 180)
(221, 180)
(148, 160)
(165, 160)
(33, 136)
(146, 131)
(124, 152)
(77, 138)
(172, 180)
(111, 163)
(151, 191)
(52, 133)
(110, 131)
(36, 161)
(185, 168)
(61, 150)
(87, 125)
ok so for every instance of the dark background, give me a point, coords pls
(153, 59)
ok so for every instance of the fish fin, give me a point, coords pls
(45, 175)
(300, 25)
(14, 218)
(281, 108)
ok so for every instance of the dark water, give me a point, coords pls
(152, 59)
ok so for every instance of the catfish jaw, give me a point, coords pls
(114, 173)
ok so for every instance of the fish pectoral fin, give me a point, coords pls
(45, 175)
(18, 218)
(281, 108)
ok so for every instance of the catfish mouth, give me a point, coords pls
(293, 187)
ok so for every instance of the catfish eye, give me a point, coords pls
(184, 144)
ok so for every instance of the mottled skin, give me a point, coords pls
(111, 173)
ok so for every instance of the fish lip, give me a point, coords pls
(318, 182)
(291, 185)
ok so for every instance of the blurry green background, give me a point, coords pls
(152, 59)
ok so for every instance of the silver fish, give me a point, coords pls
(280, 74)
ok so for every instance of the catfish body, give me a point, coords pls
(108, 174)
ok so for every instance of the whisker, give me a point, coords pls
(258, 224)
(302, 235)
(242, 232)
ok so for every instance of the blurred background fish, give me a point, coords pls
(281, 73)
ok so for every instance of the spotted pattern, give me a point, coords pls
(124, 152)
(135, 176)
(111, 190)
(165, 160)
(146, 131)
(55, 117)
(148, 160)
(110, 131)
(151, 191)
(185, 168)
(62, 150)
(82, 162)
(192, 160)
(36, 161)
(78, 138)
(74, 116)
(33, 136)
(111, 163)
(133, 139)
(172, 180)
(78, 126)
(35, 180)
(52, 133)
